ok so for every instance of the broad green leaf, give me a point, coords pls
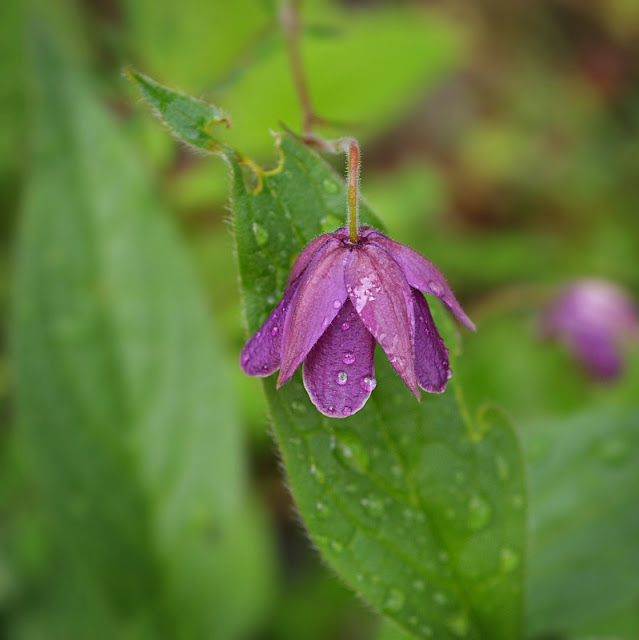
(416, 508)
(584, 483)
(125, 411)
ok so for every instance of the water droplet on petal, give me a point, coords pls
(348, 357)
(342, 378)
(346, 326)
(395, 600)
(274, 331)
(336, 304)
(260, 233)
(368, 383)
(346, 411)
(435, 287)
(350, 452)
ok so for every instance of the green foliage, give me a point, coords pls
(127, 421)
(499, 141)
(584, 483)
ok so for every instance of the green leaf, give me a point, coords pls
(125, 410)
(189, 118)
(416, 508)
(584, 483)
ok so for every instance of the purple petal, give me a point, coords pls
(422, 274)
(320, 296)
(305, 257)
(597, 351)
(431, 355)
(382, 298)
(261, 354)
(339, 369)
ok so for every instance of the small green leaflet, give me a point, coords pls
(418, 508)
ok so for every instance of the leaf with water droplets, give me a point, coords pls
(405, 501)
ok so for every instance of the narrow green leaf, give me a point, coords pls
(417, 509)
(584, 483)
(125, 410)
(190, 119)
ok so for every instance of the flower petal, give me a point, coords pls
(318, 299)
(597, 351)
(431, 356)
(382, 298)
(339, 369)
(261, 355)
(306, 255)
(422, 274)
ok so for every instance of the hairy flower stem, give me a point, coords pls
(353, 189)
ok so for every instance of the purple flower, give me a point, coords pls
(341, 298)
(590, 316)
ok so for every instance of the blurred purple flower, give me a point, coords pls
(591, 316)
(342, 298)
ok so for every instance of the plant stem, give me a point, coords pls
(353, 189)
(289, 19)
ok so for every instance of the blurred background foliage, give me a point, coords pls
(499, 139)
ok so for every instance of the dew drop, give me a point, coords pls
(336, 304)
(317, 473)
(348, 357)
(368, 383)
(330, 186)
(336, 546)
(346, 326)
(346, 411)
(458, 624)
(350, 452)
(508, 560)
(373, 506)
(479, 513)
(435, 287)
(503, 470)
(260, 233)
(342, 378)
(274, 331)
(395, 600)
(330, 223)
(298, 407)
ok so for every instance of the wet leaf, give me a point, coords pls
(417, 508)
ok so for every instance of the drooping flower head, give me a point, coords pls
(342, 298)
(591, 316)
